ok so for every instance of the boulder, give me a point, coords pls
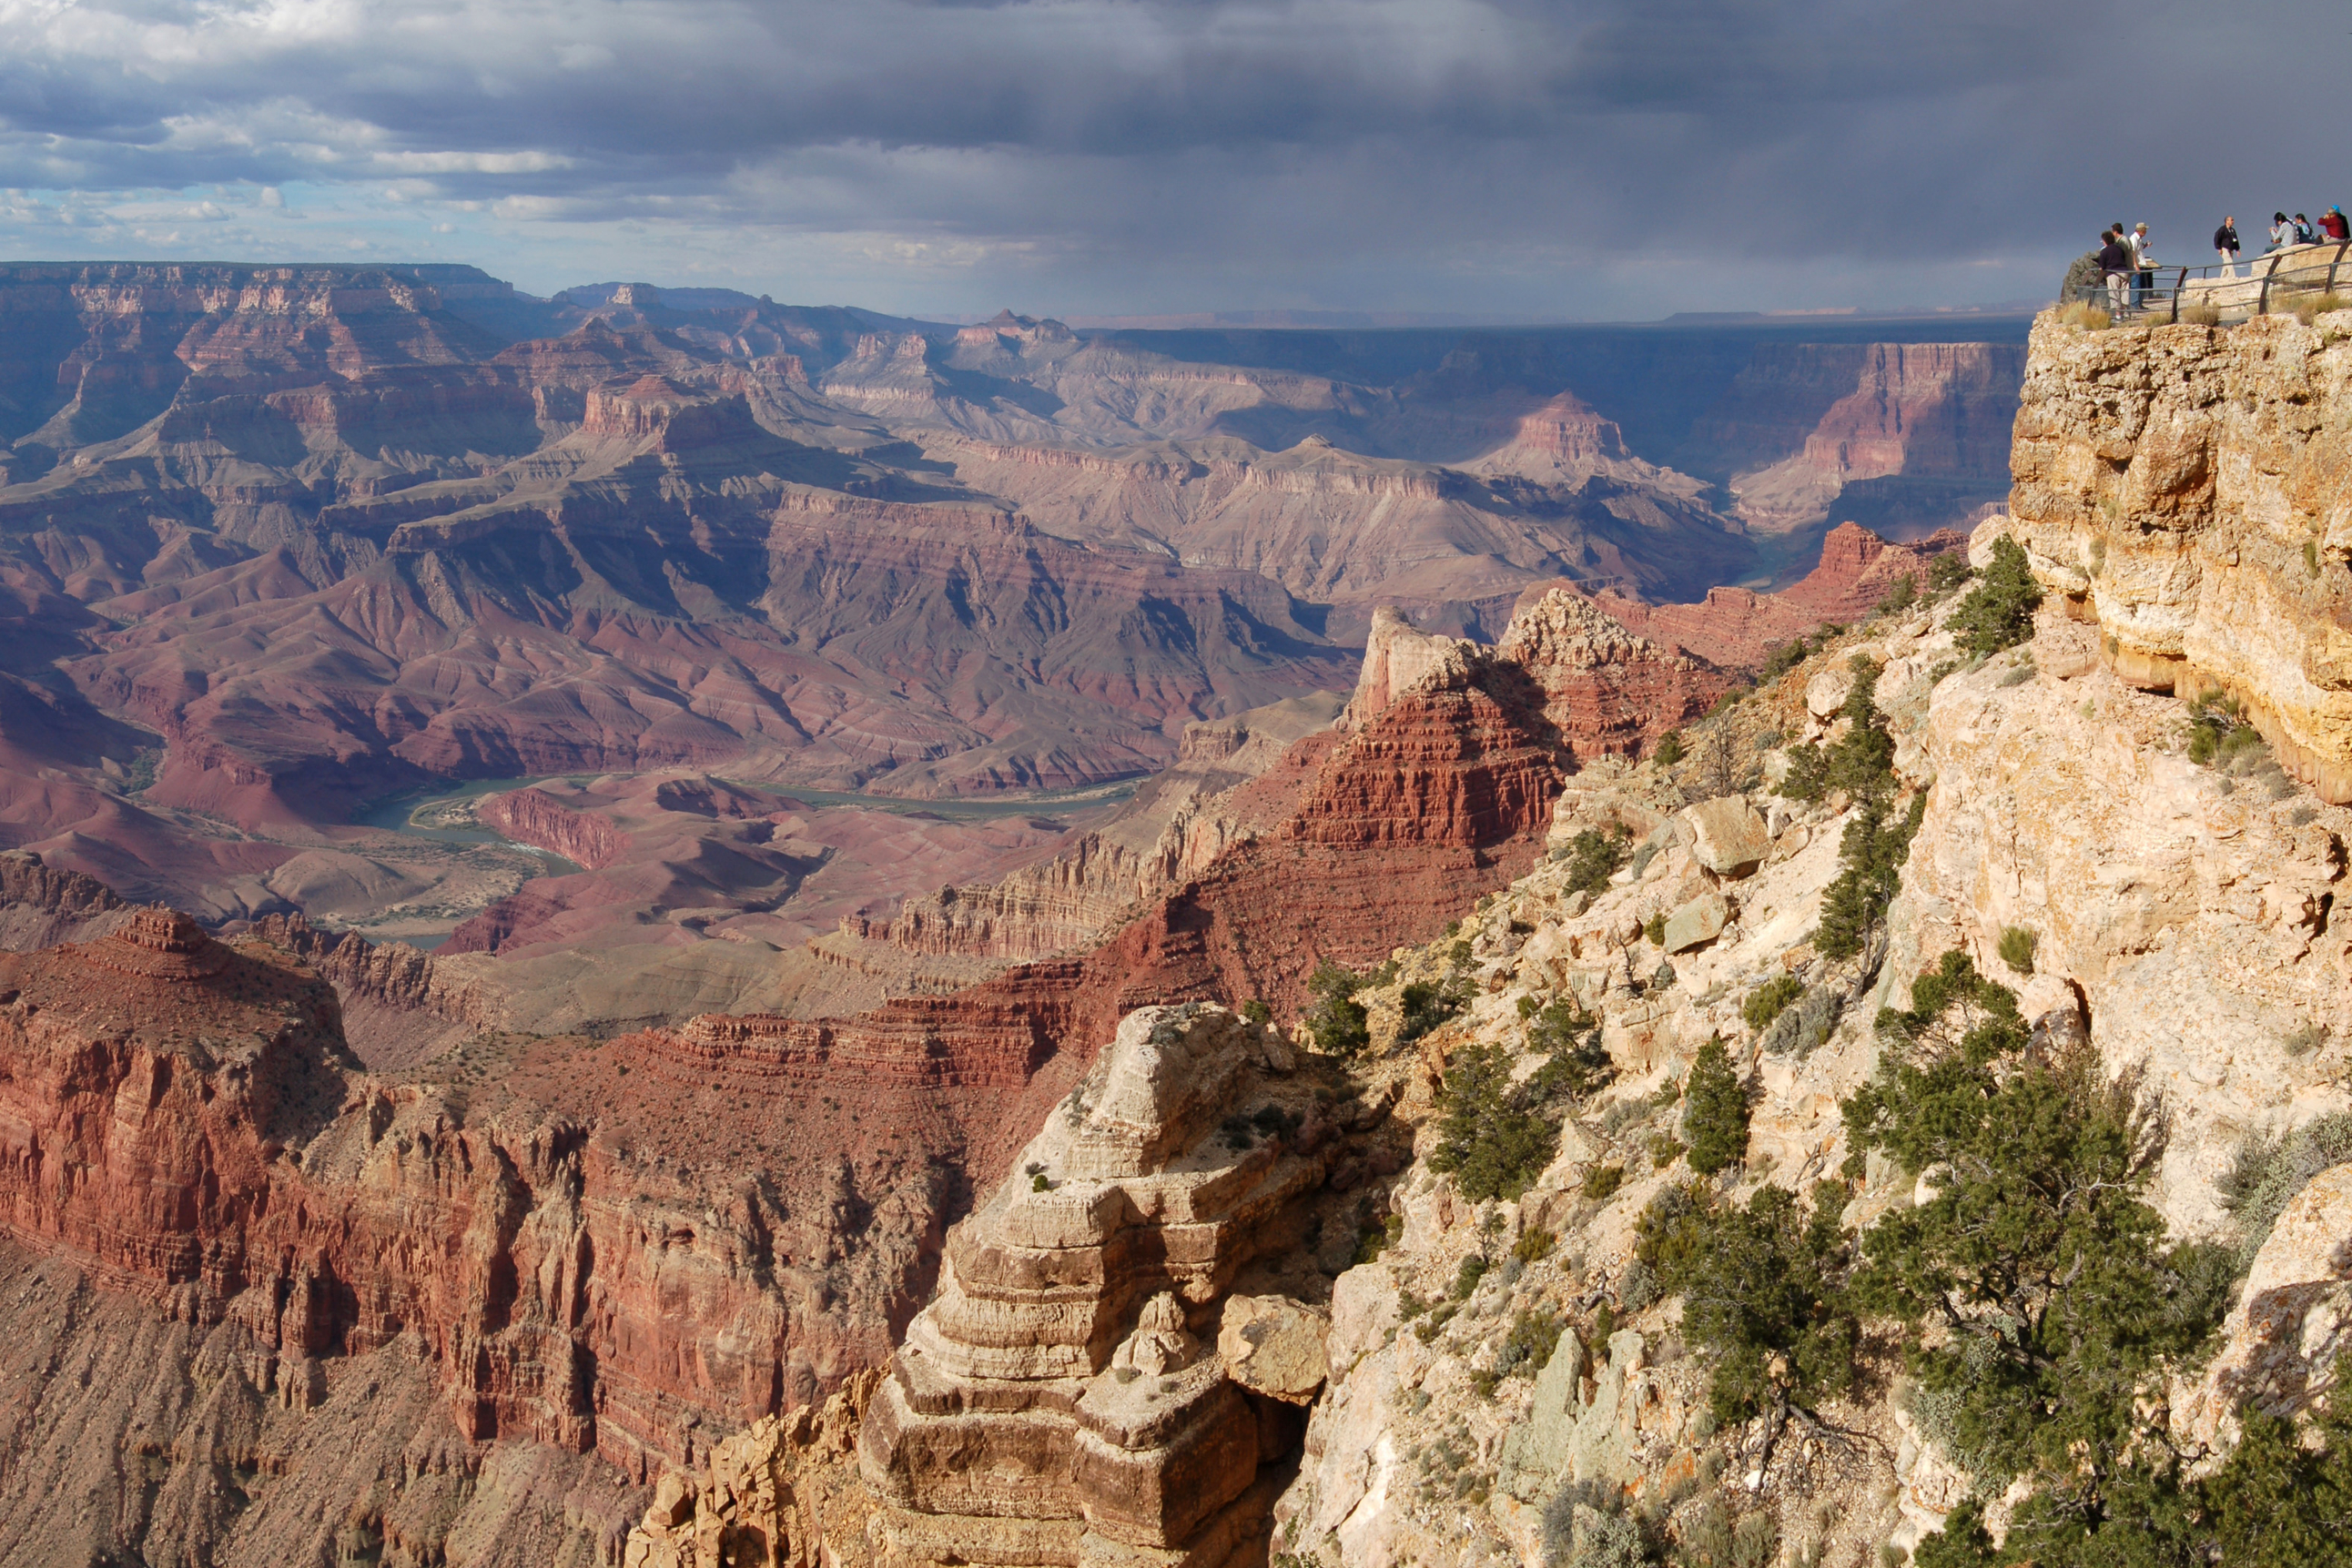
(1826, 693)
(1728, 836)
(1274, 1346)
(1697, 923)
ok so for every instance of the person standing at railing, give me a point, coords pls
(2143, 264)
(2282, 232)
(2115, 267)
(2225, 245)
(2333, 225)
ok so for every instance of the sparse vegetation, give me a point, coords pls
(2269, 1172)
(1763, 1293)
(1946, 572)
(1769, 1000)
(1335, 1019)
(1998, 612)
(2309, 307)
(1669, 749)
(2218, 731)
(1655, 928)
(1862, 762)
(2054, 1303)
(1580, 1065)
(1257, 1011)
(1601, 1182)
(1714, 1118)
(1593, 858)
(1871, 856)
(1900, 595)
(2016, 946)
(1489, 1140)
(2084, 317)
(1426, 1004)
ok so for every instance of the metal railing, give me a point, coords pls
(2278, 279)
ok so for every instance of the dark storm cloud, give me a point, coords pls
(1411, 147)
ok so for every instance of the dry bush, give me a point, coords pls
(2084, 316)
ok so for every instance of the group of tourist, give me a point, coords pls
(2127, 261)
(2285, 232)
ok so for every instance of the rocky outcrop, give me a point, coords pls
(532, 817)
(1065, 1399)
(1607, 691)
(2183, 488)
(40, 908)
(1736, 627)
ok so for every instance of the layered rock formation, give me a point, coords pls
(2185, 488)
(1893, 434)
(1063, 1398)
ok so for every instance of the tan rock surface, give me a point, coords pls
(1274, 1346)
(2185, 488)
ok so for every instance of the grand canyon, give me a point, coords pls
(653, 928)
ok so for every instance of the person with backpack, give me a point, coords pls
(2332, 223)
(2115, 267)
(2225, 245)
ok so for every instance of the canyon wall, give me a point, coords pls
(2189, 489)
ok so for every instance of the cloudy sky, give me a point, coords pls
(1610, 159)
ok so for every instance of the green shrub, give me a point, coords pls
(1579, 1066)
(1862, 762)
(2269, 1172)
(2278, 1499)
(1870, 857)
(2057, 1306)
(1426, 1004)
(1716, 1119)
(1489, 1140)
(1998, 612)
(1335, 1019)
(1467, 1278)
(1769, 1000)
(1763, 1289)
(1900, 596)
(1946, 572)
(2218, 734)
(1601, 1182)
(1534, 1246)
(1257, 1011)
(1779, 661)
(1037, 1183)
(1664, 1150)
(1655, 928)
(1669, 749)
(1527, 1349)
(1378, 1237)
(1593, 858)
(2016, 946)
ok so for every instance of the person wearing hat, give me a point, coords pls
(2143, 264)
(2333, 225)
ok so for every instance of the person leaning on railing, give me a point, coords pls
(2225, 245)
(2143, 264)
